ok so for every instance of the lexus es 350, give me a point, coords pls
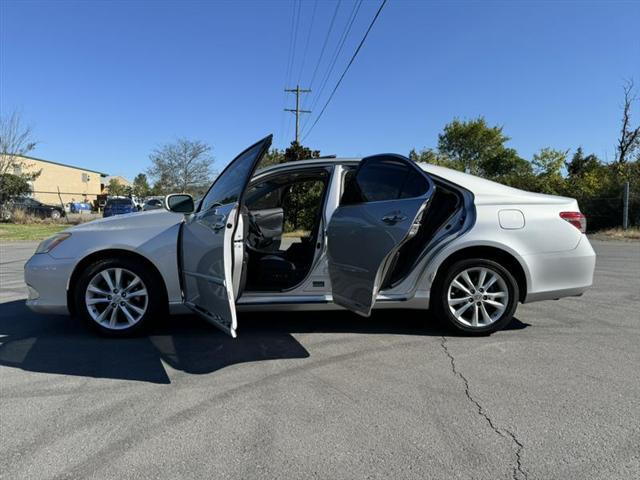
(359, 234)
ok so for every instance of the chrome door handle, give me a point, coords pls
(392, 219)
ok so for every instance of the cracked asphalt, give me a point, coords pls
(328, 395)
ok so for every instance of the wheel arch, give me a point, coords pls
(500, 255)
(107, 254)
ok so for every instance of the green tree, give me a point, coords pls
(428, 155)
(296, 151)
(13, 185)
(116, 189)
(141, 187)
(273, 157)
(579, 165)
(475, 147)
(547, 166)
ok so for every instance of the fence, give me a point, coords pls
(621, 211)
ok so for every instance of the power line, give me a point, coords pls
(288, 67)
(324, 45)
(295, 26)
(306, 46)
(355, 54)
(336, 53)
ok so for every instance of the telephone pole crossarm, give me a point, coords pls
(297, 111)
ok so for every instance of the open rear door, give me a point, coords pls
(206, 247)
(381, 208)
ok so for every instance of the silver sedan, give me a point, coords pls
(359, 234)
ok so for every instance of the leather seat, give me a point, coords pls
(276, 270)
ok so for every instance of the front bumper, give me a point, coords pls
(47, 280)
(562, 274)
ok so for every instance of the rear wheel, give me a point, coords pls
(477, 296)
(119, 297)
(55, 214)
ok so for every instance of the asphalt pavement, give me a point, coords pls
(328, 395)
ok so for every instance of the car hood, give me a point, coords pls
(487, 192)
(136, 220)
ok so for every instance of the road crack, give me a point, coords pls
(518, 470)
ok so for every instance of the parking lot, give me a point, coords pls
(328, 395)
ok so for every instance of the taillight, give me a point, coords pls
(576, 219)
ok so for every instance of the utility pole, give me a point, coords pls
(297, 110)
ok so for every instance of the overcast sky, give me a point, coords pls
(103, 83)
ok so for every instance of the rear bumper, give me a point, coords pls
(562, 274)
(47, 279)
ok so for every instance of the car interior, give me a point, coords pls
(282, 216)
(437, 218)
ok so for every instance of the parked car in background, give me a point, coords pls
(153, 204)
(30, 206)
(118, 206)
(384, 232)
(80, 207)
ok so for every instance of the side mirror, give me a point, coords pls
(180, 203)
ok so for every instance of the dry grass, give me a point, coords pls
(19, 217)
(632, 233)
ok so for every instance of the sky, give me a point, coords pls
(103, 83)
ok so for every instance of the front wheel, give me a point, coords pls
(477, 296)
(55, 214)
(118, 297)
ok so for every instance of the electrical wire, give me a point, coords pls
(355, 54)
(336, 55)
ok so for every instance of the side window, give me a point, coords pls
(228, 187)
(263, 196)
(383, 180)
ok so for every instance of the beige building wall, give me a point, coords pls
(74, 183)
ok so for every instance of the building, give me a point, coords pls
(60, 181)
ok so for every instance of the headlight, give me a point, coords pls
(52, 242)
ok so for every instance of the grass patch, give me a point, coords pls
(632, 233)
(10, 232)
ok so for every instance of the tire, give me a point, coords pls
(55, 214)
(476, 309)
(137, 302)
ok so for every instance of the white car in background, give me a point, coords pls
(385, 233)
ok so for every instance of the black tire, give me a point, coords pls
(55, 214)
(156, 303)
(441, 296)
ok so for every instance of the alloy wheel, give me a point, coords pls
(478, 296)
(116, 298)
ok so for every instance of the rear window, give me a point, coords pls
(119, 202)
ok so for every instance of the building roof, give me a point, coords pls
(61, 164)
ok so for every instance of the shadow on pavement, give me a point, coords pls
(63, 345)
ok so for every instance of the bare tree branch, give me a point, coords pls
(629, 139)
(16, 141)
(181, 166)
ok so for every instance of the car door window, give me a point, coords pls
(230, 185)
(383, 180)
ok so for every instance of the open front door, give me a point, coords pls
(207, 242)
(381, 208)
